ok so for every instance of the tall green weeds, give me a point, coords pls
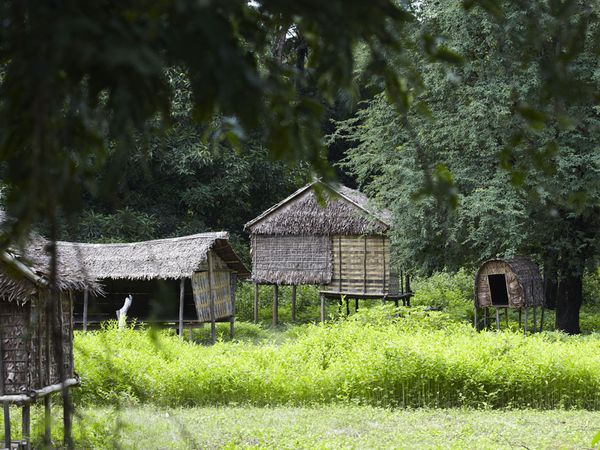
(380, 356)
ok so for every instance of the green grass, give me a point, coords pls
(420, 359)
(329, 427)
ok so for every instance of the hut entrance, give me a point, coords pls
(498, 290)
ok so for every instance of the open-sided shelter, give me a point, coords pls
(339, 243)
(511, 283)
(199, 270)
(36, 334)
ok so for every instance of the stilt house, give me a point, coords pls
(185, 280)
(512, 283)
(339, 243)
(33, 364)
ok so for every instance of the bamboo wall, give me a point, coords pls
(361, 264)
(220, 284)
(28, 358)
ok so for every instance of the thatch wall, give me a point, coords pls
(26, 343)
(345, 212)
(291, 259)
(523, 282)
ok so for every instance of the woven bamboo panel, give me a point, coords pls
(291, 259)
(28, 356)
(221, 291)
(362, 264)
(16, 336)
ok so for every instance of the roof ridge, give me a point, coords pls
(215, 234)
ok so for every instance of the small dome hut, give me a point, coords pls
(513, 283)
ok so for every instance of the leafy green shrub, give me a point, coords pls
(451, 292)
(377, 357)
(591, 288)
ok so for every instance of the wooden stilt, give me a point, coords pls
(534, 319)
(67, 425)
(396, 302)
(475, 324)
(86, 294)
(7, 437)
(322, 307)
(497, 319)
(181, 297)
(520, 313)
(211, 299)
(26, 424)
(233, 287)
(293, 303)
(347, 306)
(340, 305)
(356, 305)
(542, 318)
(275, 305)
(525, 322)
(255, 302)
(506, 316)
(191, 337)
(47, 422)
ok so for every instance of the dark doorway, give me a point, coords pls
(498, 289)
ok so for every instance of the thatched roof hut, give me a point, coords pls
(205, 265)
(325, 234)
(509, 283)
(30, 365)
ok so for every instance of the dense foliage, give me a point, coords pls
(519, 161)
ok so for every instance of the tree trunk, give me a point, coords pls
(568, 302)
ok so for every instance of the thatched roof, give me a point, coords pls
(526, 273)
(346, 212)
(172, 258)
(26, 267)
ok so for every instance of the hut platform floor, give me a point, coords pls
(368, 295)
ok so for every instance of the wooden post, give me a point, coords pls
(275, 304)
(356, 304)
(542, 318)
(347, 306)
(255, 302)
(233, 281)
(497, 320)
(506, 316)
(26, 424)
(322, 307)
(47, 421)
(365, 268)
(408, 289)
(85, 308)
(525, 322)
(534, 319)
(293, 303)
(191, 331)
(181, 297)
(211, 300)
(7, 438)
